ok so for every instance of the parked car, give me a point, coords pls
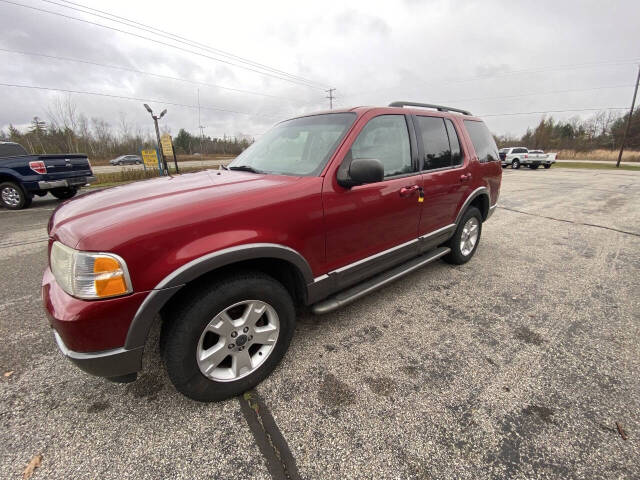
(517, 156)
(322, 210)
(126, 160)
(22, 175)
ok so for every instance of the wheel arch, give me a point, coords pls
(7, 177)
(479, 198)
(283, 263)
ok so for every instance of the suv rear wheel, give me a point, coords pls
(228, 336)
(13, 197)
(466, 238)
(515, 163)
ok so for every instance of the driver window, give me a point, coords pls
(385, 138)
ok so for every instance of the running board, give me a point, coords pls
(360, 290)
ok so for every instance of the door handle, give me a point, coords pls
(465, 178)
(407, 191)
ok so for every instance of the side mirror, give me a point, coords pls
(361, 171)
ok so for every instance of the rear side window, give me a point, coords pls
(385, 138)
(483, 142)
(435, 143)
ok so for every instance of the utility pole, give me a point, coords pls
(626, 131)
(200, 125)
(330, 97)
(155, 121)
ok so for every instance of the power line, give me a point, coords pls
(533, 94)
(159, 42)
(550, 111)
(142, 72)
(548, 68)
(124, 97)
(517, 72)
(175, 37)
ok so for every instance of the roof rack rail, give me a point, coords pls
(440, 108)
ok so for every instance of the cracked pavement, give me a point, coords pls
(516, 365)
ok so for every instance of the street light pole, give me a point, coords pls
(155, 121)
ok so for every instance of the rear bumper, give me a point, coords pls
(67, 182)
(117, 362)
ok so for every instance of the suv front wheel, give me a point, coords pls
(466, 238)
(228, 336)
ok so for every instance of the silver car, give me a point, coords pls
(126, 160)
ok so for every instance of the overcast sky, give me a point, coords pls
(486, 56)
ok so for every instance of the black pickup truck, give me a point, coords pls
(22, 175)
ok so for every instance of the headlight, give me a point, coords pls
(89, 275)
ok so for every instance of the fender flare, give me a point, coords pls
(172, 283)
(472, 196)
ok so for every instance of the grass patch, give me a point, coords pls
(599, 154)
(596, 166)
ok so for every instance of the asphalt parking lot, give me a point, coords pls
(519, 364)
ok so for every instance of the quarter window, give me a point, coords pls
(456, 152)
(385, 138)
(483, 142)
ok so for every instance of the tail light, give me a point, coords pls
(38, 167)
(526, 155)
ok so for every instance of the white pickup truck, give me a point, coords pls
(516, 156)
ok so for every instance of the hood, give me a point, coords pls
(144, 205)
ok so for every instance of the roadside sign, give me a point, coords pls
(151, 160)
(167, 145)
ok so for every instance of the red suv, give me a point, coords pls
(320, 211)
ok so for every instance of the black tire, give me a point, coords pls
(456, 256)
(64, 193)
(547, 165)
(534, 166)
(515, 164)
(182, 330)
(13, 197)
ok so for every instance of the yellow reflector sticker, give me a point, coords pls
(105, 264)
(110, 278)
(111, 286)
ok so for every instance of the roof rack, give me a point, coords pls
(440, 108)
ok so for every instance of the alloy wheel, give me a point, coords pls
(469, 236)
(11, 196)
(237, 340)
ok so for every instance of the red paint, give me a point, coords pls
(159, 225)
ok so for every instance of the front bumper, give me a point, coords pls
(117, 362)
(92, 333)
(67, 182)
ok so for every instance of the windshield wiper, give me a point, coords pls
(245, 168)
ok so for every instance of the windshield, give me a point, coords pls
(299, 147)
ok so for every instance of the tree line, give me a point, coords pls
(603, 130)
(69, 131)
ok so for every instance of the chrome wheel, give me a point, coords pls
(11, 196)
(469, 236)
(238, 340)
